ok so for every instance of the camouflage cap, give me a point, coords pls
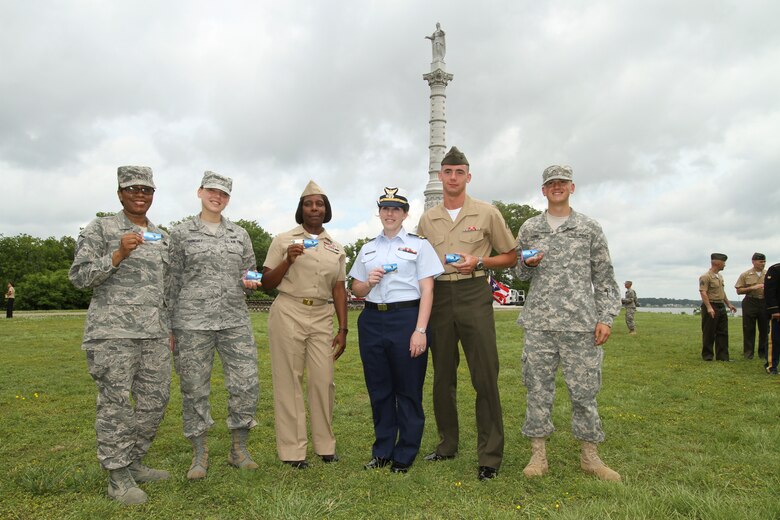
(134, 176)
(312, 189)
(718, 256)
(216, 181)
(555, 172)
(391, 199)
(454, 157)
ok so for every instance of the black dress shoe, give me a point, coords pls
(435, 457)
(376, 463)
(297, 464)
(327, 459)
(397, 467)
(487, 473)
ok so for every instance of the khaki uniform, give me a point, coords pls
(715, 331)
(463, 310)
(210, 314)
(300, 336)
(125, 336)
(754, 314)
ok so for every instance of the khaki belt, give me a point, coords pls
(454, 277)
(311, 302)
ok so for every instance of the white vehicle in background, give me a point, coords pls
(516, 297)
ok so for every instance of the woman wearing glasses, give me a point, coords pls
(123, 258)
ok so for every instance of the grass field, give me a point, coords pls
(691, 440)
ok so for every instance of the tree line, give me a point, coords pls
(38, 267)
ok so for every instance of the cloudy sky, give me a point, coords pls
(668, 112)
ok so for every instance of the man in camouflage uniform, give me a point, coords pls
(209, 257)
(572, 302)
(126, 333)
(629, 302)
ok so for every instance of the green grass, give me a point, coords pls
(691, 440)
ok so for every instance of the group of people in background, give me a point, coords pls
(760, 311)
(155, 294)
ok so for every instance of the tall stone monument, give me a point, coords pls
(437, 79)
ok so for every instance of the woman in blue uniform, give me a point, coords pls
(395, 273)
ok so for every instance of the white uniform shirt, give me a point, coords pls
(416, 260)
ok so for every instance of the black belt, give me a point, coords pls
(392, 306)
(754, 297)
(720, 304)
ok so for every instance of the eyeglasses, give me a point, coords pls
(146, 190)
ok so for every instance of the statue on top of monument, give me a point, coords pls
(438, 43)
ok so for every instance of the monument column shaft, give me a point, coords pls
(437, 80)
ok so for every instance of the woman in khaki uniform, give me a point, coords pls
(300, 328)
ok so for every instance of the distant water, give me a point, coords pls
(677, 310)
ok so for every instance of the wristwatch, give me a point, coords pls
(480, 265)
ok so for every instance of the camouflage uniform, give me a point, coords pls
(630, 303)
(209, 313)
(572, 289)
(125, 336)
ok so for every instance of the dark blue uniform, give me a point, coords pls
(772, 299)
(394, 378)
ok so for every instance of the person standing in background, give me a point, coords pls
(10, 295)
(714, 316)
(629, 302)
(754, 313)
(772, 295)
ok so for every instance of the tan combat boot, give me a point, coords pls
(123, 489)
(200, 458)
(538, 463)
(143, 473)
(239, 456)
(591, 463)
